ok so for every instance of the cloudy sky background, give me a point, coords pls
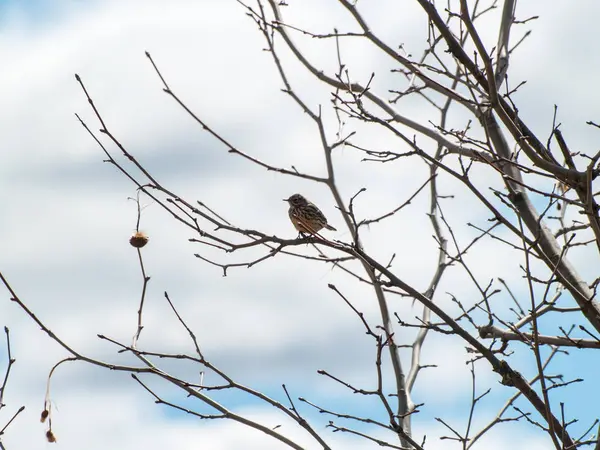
(66, 218)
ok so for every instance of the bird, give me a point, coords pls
(305, 216)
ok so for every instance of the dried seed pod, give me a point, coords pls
(138, 239)
(50, 436)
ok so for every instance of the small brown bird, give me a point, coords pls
(305, 216)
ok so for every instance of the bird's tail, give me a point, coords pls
(329, 227)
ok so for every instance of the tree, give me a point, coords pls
(531, 204)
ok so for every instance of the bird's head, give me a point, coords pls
(296, 200)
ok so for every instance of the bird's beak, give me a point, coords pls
(286, 199)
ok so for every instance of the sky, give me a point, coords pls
(67, 217)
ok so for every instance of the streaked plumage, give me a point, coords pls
(305, 216)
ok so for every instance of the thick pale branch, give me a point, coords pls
(502, 51)
(357, 87)
(547, 242)
(527, 140)
(491, 331)
(510, 377)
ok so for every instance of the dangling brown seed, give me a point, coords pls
(45, 414)
(50, 436)
(138, 240)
